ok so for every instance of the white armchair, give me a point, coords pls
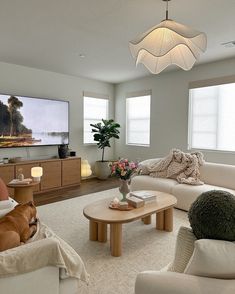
(199, 267)
(46, 264)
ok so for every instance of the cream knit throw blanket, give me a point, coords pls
(184, 167)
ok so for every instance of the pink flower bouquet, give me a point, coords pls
(124, 169)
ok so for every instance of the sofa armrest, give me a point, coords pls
(155, 282)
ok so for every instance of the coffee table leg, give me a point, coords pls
(93, 230)
(160, 220)
(102, 232)
(116, 239)
(147, 220)
(168, 220)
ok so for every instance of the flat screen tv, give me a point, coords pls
(29, 121)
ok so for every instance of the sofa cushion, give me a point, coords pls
(187, 194)
(213, 259)
(144, 182)
(222, 175)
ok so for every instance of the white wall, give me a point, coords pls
(20, 80)
(169, 111)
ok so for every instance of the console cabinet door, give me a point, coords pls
(71, 171)
(51, 175)
(26, 171)
(7, 173)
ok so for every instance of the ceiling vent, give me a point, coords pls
(229, 44)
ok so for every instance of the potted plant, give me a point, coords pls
(103, 132)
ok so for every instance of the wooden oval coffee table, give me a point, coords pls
(100, 215)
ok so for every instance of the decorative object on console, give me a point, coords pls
(63, 151)
(5, 160)
(103, 132)
(36, 173)
(72, 153)
(212, 216)
(85, 168)
(15, 159)
(166, 44)
(124, 169)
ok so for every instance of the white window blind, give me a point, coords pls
(212, 117)
(138, 120)
(94, 110)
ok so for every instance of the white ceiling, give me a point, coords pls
(51, 34)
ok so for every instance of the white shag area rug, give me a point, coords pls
(144, 248)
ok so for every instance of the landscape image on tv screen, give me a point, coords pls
(26, 121)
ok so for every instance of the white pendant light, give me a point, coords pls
(166, 44)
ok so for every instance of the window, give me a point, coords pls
(138, 120)
(94, 109)
(212, 117)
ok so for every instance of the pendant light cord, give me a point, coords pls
(167, 10)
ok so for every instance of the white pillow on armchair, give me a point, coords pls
(213, 259)
(6, 206)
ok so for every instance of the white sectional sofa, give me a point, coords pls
(215, 177)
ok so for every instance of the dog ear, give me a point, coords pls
(30, 203)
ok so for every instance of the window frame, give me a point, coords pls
(133, 96)
(203, 84)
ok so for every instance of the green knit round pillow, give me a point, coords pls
(212, 216)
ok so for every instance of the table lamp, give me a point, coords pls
(36, 173)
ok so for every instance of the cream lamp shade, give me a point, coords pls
(168, 43)
(85, 169)
(36, 173)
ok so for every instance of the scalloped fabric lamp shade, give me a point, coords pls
(166, 44)
(85, 169)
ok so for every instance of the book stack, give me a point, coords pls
(146, 196)
(135, 202)
(21, 182)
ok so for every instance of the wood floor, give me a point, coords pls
(88, 186)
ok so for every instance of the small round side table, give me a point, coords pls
(23, 193)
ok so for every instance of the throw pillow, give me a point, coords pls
(213, 259)
(144, 165)
(212, 216)
(6, 206)
(183, 250)
(4, 195)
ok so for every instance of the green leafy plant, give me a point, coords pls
(103, 132)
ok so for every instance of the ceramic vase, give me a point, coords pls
(124, 189)
(63, 151)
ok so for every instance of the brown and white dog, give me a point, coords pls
(18, 226)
